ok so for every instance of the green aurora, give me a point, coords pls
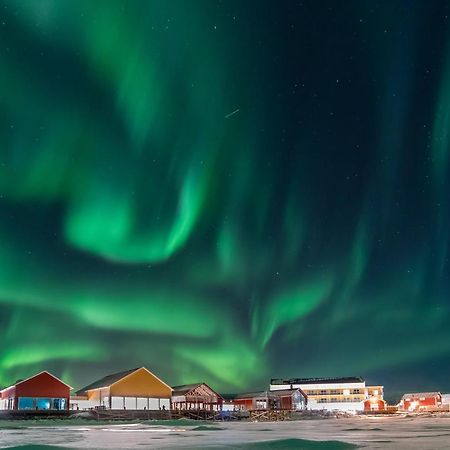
(141, 223)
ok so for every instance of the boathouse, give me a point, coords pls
(196, 396)
(42, 391)
(135, 389)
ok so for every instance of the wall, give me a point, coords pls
(139, 403)
(340, 406)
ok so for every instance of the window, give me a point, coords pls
(261, 404)
(43, 403)
(26, 403)
(59, 404)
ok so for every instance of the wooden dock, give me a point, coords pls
(193, 414)
(205, 415)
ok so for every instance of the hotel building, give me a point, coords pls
(348, 394)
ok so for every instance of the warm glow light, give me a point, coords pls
(413, 406)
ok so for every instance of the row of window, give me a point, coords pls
(338, 400)
(335, 392)
(57, 404)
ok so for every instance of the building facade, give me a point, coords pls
(420, 401)
(135, 389)
(41, 392)
(286, 399)
(333, 394)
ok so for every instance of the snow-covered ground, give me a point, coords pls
(379, 432)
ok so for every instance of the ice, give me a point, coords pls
(389, 432)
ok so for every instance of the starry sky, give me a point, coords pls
(225, 191)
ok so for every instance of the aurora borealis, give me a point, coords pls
(306, 234)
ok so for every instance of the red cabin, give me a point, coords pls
(374, 404)
(420, 401)
(286, 399)
(40, 392)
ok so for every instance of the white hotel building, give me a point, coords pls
(348, 394)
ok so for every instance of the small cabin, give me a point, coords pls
(41, 392)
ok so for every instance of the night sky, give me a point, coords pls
(226, 191)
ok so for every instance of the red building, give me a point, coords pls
(286, 399)
(420, 401)
(374, 404)
(40, 392)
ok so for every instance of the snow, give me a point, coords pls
(417, 432)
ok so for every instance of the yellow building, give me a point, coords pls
(133, 389)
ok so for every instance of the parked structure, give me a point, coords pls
(134, 389)
(420, 401)
(332, 394)
(42, 391)
(196, 396)
(286, 399)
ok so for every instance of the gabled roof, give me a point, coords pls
(259, 394)
(417, 395)
(34, 376)
(184, 389)
(107, 380)
(275, 381)
(265, 394)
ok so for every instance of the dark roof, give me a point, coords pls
(184, 388)
(260, 394)
(286, 392)
(263, 394)
(275, 381)
(107, 381)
